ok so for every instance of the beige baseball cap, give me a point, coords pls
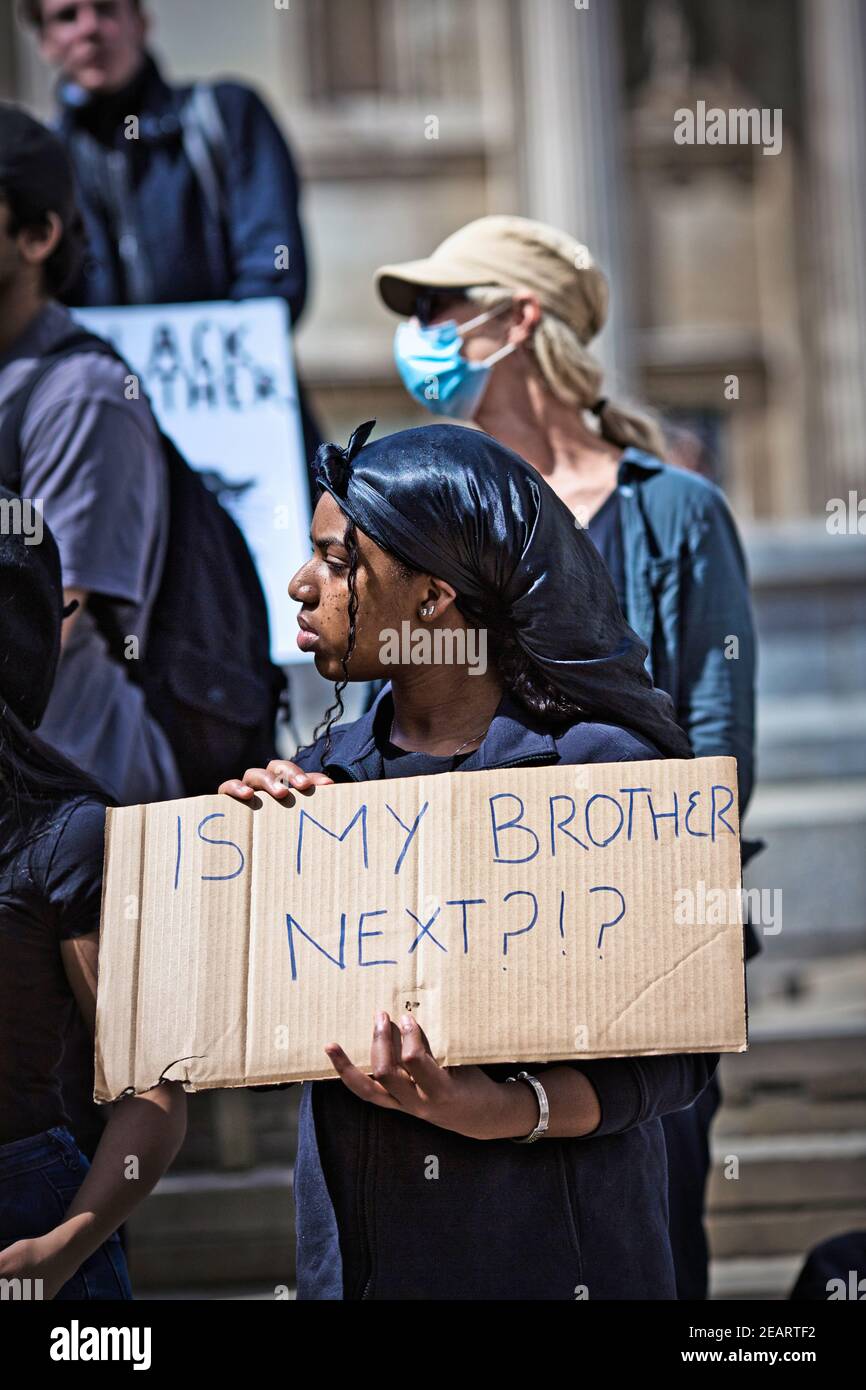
(511, 252)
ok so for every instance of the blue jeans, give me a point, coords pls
(39, 1177)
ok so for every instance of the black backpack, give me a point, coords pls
(206, 670)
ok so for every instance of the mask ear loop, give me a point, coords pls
(498, 355)
(482, 318)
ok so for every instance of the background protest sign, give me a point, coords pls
(522, 915)
(221, 381)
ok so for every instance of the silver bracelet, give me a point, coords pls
(543, 1107)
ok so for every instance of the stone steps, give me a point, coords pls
(259, 1293)
(816, 736)
(238, 1129)
(754, 1279)
(215, 1228)
(780, 1194)
(788, 1114)
(793, 1118)
(814, 833)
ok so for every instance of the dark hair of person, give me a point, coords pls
(36, 784)
(521, 677)
(31, 11)
(64, 262)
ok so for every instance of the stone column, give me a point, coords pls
(572, 158)
(834, 56)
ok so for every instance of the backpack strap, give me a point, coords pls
(206, 146)
(79, 340)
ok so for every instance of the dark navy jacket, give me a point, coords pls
(502, 1220)
(145, 189)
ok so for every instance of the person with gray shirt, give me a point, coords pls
(87, 454)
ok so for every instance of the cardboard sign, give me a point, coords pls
(221, 382)
(521, 915)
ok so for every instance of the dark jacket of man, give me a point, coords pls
(158, 234)
(137, 182)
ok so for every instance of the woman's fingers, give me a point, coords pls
(239, 790)
(363, 1086)
(418, 1060)
(257, 779)
(391, 1085)
(261, 780)
(279, 779)
(291, 775)
(386, 1065)
(411, 1030)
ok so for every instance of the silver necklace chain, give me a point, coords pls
(448, 755)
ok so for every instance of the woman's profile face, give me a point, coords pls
(385, 598)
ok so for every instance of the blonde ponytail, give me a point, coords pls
(630, 428)
(575, 376)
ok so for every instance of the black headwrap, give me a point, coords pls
(455, 503)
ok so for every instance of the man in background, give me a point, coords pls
(188, 193)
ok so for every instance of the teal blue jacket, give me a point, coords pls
(687, 597)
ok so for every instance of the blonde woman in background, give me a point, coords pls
(497, 326)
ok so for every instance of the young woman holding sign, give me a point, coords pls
(58, 1214)
(408, 1183)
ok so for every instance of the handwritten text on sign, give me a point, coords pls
(516, 913)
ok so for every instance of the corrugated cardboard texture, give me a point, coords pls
(528, 914)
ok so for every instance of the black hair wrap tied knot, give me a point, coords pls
(334, 465)
(454, 503)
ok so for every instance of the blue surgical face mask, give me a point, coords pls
(436, 374)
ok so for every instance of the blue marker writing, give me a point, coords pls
(513, 824)
(612, 923)
(219, 878)
(520, 893)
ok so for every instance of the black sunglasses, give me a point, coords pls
(430, 303)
